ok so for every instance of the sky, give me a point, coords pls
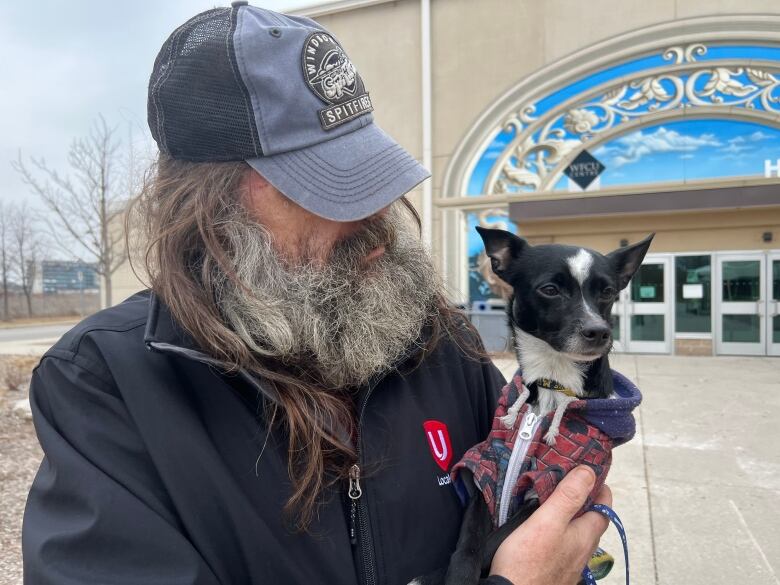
(66, 62)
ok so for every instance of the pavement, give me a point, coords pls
(31, 339)
(698, 488)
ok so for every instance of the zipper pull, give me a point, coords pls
(354, 483)
(526, 431)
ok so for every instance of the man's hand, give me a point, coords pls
(550, 548)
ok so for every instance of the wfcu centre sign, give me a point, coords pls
(584, 169)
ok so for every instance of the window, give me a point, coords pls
(483, 283)
(647, 286)
(693, 294)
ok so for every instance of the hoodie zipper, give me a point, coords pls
(528, 427)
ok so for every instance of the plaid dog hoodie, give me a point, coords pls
(590, 429)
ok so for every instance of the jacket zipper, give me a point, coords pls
(359, 531)
(527, 430)
(354, 494)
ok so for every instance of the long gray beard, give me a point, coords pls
(343, 322)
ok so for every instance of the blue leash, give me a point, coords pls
(609, 513)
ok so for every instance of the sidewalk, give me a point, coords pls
(698, 487)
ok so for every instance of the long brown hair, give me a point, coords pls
(181, 212)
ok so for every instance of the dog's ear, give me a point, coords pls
(502, 247)
(627, 260)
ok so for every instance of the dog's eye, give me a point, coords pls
(549, 290)
(608, 293)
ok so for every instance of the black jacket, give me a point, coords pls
(151, 472)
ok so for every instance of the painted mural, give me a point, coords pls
(697, 78)
(685, 151)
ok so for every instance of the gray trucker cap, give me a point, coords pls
(278, 91)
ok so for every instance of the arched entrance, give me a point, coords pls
(683, 130)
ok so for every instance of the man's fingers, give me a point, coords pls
(604, 496)
(569, 496)
(595, 524)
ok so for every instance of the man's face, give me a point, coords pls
(300, 236)
(340, 301)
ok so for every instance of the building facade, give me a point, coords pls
(65, 276)
(676, 100)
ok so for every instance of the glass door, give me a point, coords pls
(741, 316)
(647, 308)
(773, 304)
(619, 322)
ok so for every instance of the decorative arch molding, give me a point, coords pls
(542, 145)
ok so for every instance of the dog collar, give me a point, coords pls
(553, 385)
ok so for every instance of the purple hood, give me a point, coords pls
(613, 416)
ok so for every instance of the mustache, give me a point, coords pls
(375, 232)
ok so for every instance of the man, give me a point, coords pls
(284, 403)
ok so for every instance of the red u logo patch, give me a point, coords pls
(439, 442)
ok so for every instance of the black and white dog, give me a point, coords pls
(560, 319)
(560, 316)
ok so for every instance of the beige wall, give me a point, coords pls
(679, 232)
(124, 282)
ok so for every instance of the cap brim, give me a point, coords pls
(347, 178)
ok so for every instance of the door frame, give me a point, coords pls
(772, 305)
(757, 307)
(625, 308)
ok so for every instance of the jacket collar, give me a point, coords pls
(161, 327)
(164, 335)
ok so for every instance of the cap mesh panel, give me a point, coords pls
(199, 108)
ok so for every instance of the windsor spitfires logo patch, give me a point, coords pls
(333, 78)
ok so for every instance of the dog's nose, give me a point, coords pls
(596, 333)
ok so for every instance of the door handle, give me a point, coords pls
(773, 308)
(760, 305)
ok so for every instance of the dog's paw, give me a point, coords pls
(551, 436)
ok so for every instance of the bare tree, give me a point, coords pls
(5, 259)
(26, 246)
(86, 205)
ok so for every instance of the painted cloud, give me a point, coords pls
(632, 147)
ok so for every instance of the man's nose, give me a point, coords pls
(381, 213)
